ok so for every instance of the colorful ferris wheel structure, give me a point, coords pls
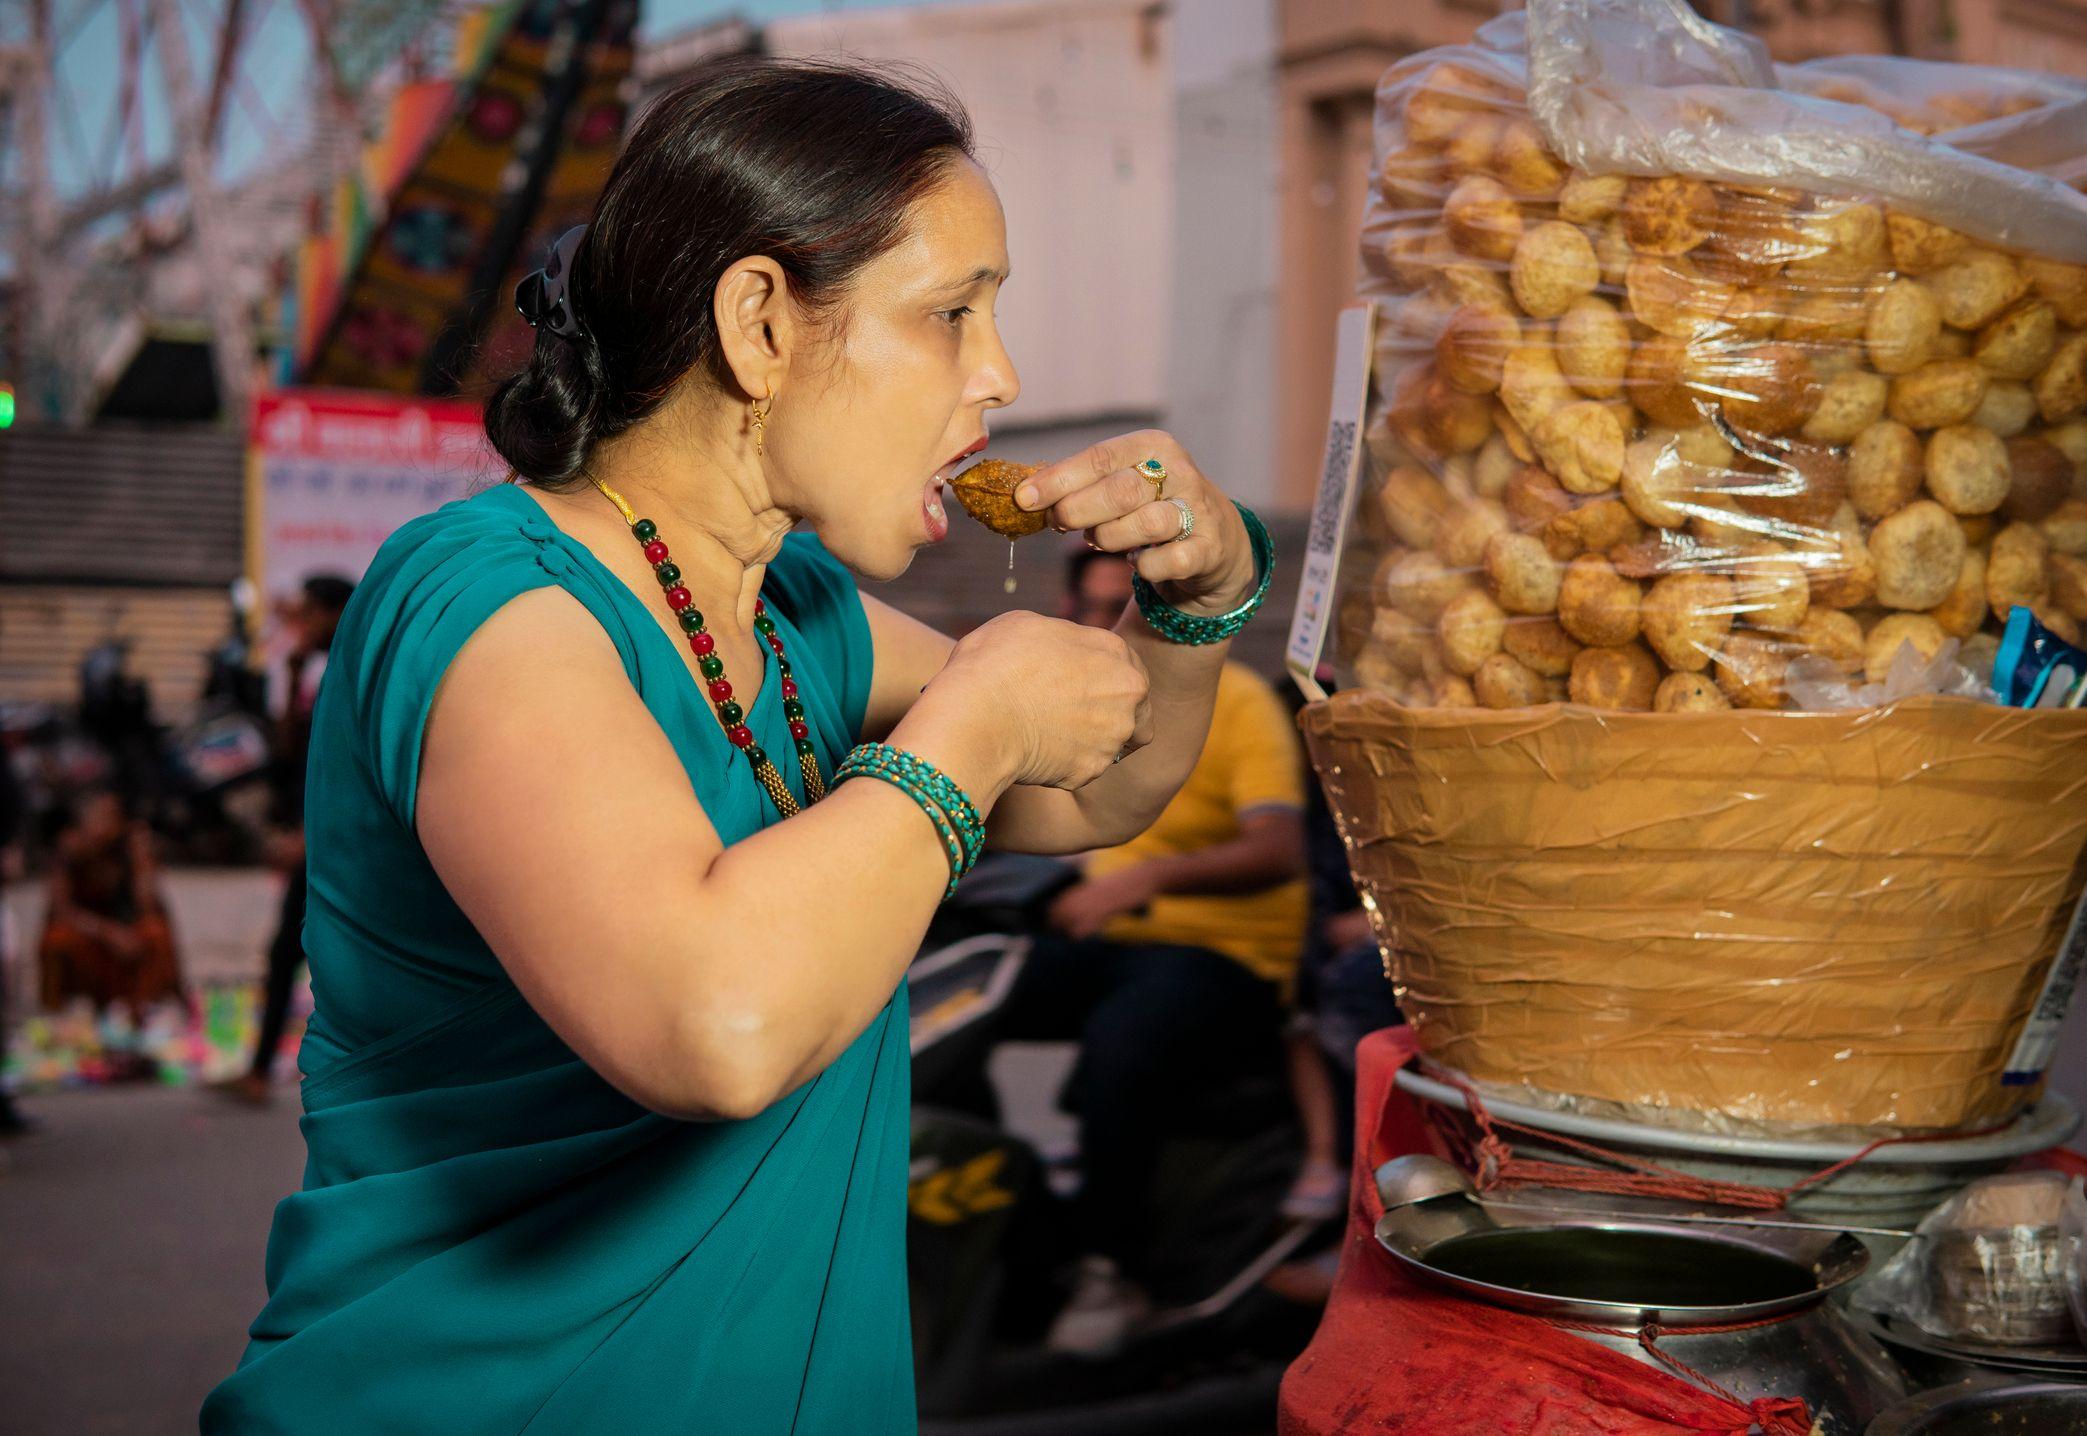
(317, 191)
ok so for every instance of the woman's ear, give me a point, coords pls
(755, 328)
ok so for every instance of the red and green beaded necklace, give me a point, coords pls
(719, 688)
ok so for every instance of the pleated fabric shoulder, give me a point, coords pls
(430, 588)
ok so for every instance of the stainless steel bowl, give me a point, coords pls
(1983, 1407)
(1791, 1340)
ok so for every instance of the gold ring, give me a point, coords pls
(1153, 472)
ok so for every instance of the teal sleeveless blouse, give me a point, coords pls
(489, 1238)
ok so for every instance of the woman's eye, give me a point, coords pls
(956, 316)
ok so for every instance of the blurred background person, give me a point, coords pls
(1170, 960)
(115, 713)
(310, 620)
(106, 936)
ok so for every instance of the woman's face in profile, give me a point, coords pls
(875, 418)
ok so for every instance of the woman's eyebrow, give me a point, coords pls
(975, 278)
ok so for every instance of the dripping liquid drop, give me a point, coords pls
(1007, 585)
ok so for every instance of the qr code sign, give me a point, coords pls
(1333, 487)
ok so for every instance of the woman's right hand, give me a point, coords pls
(1066, 700)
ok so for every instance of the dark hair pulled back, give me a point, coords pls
(813, 164)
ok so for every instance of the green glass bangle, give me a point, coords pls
(952, 847)
(954, 803)
(963, 851)
(1175, 626)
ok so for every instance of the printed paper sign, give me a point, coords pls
(2039, 1039)
(1337, 473)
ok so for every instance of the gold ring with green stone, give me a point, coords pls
(1153, 472)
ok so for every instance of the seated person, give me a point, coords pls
(1170, 961)
(106, 935)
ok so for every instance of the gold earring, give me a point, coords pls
(760, 417)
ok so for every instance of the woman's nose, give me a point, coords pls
(998, 381)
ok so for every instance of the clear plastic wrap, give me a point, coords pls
(1991, 1266)
(1692, 365)
(1817, 685)
(2072, 1225)
(1706, 101)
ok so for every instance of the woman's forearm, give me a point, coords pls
(699, 978)
(1130, 795)
(1125, 800)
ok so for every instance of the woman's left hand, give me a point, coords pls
(1091, 904)
(1103, 491)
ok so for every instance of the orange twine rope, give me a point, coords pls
(1774, 1415)
(1493, 1163)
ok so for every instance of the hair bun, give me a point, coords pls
(543, 419)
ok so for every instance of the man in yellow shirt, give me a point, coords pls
(1170, 960)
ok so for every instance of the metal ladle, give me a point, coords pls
(1403, 1181)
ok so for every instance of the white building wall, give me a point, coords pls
(1221, 389)
(1135, 146)
(1073, 106)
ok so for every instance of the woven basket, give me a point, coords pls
(1734, 920)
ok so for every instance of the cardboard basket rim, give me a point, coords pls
(1330, 716)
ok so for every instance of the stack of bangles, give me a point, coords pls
(1175, 626)
(954, 815)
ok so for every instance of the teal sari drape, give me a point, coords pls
(489, 1238)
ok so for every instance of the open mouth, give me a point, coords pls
(948, 470)
(931, 509)
(937, 518)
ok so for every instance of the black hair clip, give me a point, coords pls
(542, 295)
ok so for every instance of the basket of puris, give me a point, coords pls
(1693, 366)
(1720, 416)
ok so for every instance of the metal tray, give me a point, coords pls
(1989, 1407)
(2047, 1124)
(1413, 1232)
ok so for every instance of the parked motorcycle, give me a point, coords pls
(988, 1239)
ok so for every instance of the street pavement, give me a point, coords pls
(132, 1227)
(132, 1230)
(134, 1222)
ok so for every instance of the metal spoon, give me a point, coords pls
(1402, 1181)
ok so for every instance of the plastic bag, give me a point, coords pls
(1991, 1265)
(2072, 1226)
(1815, 685)
(1638, 442)
(1708, 102)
